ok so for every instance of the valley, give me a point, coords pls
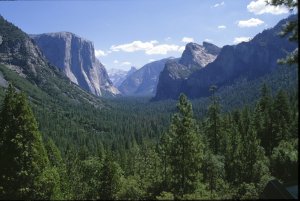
(212, 123)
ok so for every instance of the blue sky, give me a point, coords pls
(129, 33)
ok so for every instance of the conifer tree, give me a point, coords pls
(22, 154)
(57, 164)
(186, 150)
(262, 119)
(281, 117)
(110, 178)
(213, 129)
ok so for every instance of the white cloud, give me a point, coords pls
(134, 46)
(125, 63)
(162, 49)
(221, 27)
(150, 47)
(181, 49)
(253, 22)
(100, 53)
(241, 39)
(151, 60)
(187, 39)
(259, 7)
(116, 61)
(219, 4)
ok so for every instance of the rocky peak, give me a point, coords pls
(132, 70)
(211, 48)
(245, 61)
(197, 56)
(75, 56)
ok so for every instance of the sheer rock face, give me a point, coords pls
(198, 56)
(20, 54)
(75, 56)
(246, 60)
(174, 74)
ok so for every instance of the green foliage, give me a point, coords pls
(284, 160)
(47, 185)
(213, 128)
(130, 190)
(84, 177)
(213, 172)
(58, 165)
(247, 191)
(165, 196)
(291, 29)
(151, 162)
(23, 157)
(110, 178)
(185, 151)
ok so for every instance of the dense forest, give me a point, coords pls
(222, 155)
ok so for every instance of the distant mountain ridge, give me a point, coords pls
(75, 56)
(117, 76)
(143, 82)
(247, 60)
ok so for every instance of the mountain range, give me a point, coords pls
(143, 82)
(247, 60)
(51, 61)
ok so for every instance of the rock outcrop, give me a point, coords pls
(25, 66)
(198, 56)
(193, 58)
(247, 60)
(75, 56)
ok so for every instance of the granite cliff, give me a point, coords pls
(246, 60)
(75, 56)
(174, 74)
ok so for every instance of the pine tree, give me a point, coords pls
(281, 117)
(262, 119)
(232, 154)
(213, 130)
(213, 171)
(110, 178)
(57, 164)
(284, 160)
(185, 150)
(164, 148)
(22, 154)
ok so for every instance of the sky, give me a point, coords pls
(129, 33)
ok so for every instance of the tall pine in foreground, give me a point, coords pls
(213, 124)
(185, 150)
(23, 157)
